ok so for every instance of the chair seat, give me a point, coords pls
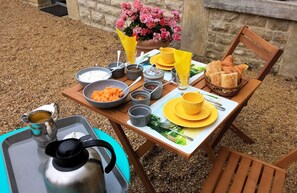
(237, 172)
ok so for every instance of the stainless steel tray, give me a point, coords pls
(25, 160)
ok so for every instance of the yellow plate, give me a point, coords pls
(160, 61)
(179, 110)
(153, 60)
(171, 116)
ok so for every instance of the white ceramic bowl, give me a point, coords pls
(84, 81)
(101, 85)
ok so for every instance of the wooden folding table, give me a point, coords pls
(118, 118)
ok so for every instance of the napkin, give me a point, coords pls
(129, 44)
(182, 63)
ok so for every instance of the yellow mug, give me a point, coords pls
(167, 54)
(192, 102)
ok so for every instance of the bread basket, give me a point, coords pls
(222, 91)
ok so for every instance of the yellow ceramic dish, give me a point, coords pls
(179, 110)
(171, 116)
(160, 60)
(153, 60)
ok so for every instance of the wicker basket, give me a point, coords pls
(226, 92)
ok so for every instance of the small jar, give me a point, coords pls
(117, 70)
(150, 87)
(133, 71)
(153, 74)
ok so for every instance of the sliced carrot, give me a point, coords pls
(106, 95)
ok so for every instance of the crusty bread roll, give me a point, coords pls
(228, 69)
(225, 73)
(228, 61)
(215, 78)
(240, 69)
(229, 80)
(213, 67)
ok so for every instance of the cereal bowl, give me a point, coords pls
(92, 74)
(101, 85)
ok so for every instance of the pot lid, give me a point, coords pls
(68, 154)
(153, 73)
(69, 148)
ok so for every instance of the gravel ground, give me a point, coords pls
(41, 53)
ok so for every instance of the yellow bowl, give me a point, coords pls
(167, 55)
(192, 102)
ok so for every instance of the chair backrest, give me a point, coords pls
(259, 46)
(288, 159)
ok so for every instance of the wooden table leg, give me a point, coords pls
(241, 134)
(228, 125)
(209, 151)
(133, 157)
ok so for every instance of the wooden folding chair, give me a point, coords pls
(237, 172)
(267, 52)
(260, 47)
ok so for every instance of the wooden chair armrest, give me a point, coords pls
(288, 159)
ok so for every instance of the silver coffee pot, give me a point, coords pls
(75, 167)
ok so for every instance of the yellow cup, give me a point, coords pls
(167, 54)
(192, 102)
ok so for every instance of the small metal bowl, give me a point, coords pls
(140, 115)
(140, 97)
(151, 85)
(91, 69)
(118, 71)
(132, 72)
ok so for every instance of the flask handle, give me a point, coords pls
(102, 143)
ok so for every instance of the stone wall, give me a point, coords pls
(224, 25)
(205, 32)
(104, 13)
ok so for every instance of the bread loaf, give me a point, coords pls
(228, 61)
(240, 69)
(213, 67)
(215, 78)
(229, 80)
(225, 73)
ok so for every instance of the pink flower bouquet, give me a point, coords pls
(148, 23)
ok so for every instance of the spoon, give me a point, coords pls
(118, 59)
(169, 81)
(154, 90)
(158, 87)
(141, 54)
(135, 81)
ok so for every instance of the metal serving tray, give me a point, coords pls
(25, 160)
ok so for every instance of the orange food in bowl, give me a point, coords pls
(107, 95)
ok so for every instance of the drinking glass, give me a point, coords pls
(182, 80)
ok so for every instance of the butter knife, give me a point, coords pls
(166, 126)
(216, 104)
